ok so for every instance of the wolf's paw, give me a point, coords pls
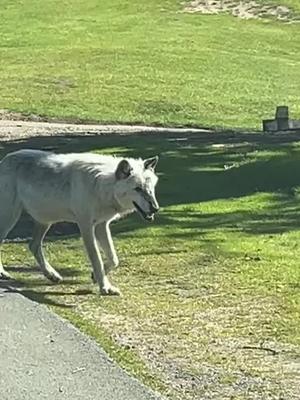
(109, 290)
(5, 276)
(52, 275)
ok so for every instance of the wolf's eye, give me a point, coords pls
(138, 189)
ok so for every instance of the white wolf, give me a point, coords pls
(88, 189)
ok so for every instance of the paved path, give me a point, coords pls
(44, 357)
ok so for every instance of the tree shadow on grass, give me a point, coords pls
(193, 169)
(34, 285)
(196, 168)
(281, 215)
(43, 296)
(41, 290)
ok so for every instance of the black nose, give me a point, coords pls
(153, 208)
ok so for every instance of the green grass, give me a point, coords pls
(210, 305)
(145, 61)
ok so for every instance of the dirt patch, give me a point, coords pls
(223, 367)
(243, 9)
(16, 126)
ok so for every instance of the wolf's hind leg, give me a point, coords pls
(10, 212)
(36, 247)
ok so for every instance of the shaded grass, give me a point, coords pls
(209, 286)
(145, 61)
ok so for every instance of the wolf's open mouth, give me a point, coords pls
(147, 217)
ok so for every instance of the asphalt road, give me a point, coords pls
(45, 357)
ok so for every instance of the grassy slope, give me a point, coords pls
(203, 282)
(145, 61)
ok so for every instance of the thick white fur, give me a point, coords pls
(88, 189)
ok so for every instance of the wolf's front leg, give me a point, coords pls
(104, 238)
(36, 247)
(88, 236)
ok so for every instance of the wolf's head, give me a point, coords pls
(135, 186)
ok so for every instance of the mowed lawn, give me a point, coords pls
(145, 61)
(211, 290)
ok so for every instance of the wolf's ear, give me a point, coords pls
(123, 170)
(151, 162)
